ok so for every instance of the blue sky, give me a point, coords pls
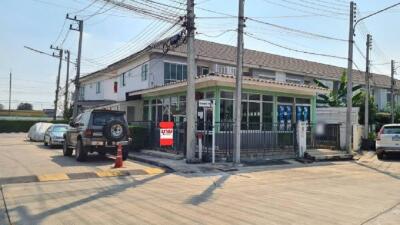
(117, 33)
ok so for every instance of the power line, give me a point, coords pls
(292, 49)
(331, 15)
(295, 30)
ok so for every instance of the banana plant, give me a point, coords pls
(337, 98)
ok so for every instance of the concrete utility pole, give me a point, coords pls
(66, 84)
(238, 93)
(393, 83)
(60, 55)
(349, 96)
(190, 92)
(367, 88)
(78, 63)
(9, 95)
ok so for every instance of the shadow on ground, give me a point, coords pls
(112, 190)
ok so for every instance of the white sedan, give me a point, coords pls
(388, 140)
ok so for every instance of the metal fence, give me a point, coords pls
(326, 136)
(258, 140)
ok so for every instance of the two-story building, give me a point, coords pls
(152, 68)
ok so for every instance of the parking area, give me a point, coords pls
(20, 158)
(364, 191)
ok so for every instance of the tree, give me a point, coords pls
(25, 106)
(337, 98)
(373, 109)
(1, 106)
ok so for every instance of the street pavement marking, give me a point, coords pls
(109, 173)
(154, 170)
(82, 175)
(53, 177)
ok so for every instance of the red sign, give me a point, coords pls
(166, 133)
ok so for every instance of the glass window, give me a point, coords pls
(226, 110)
(282, 99)
(145, 112)
(226, 94)
(210, 94)
(144, 72)
(267, 98)
(267, 114)
(302, 100)
(254, 115)
(179, 75)
(167, 73)
(98, 88)
(245, 96)
(184, 72)
(173, 72)
(254, 97)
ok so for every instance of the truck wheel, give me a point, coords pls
(379, 155)
(80, 151)
(67, 151)
(115, 130)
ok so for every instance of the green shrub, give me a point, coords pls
(381, 119)
(9, 126)
(140, 137)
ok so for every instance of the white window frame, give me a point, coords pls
(98, 87)
(144, 71)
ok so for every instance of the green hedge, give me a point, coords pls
(140, 137)
(9, 126)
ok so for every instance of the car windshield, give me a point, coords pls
(391, 130)
(101, 118)
(59, 129)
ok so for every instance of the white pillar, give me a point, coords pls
(301, 138)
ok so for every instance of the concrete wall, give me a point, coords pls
(337, 115)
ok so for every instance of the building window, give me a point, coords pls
(82, 93)
(174, 72)
(145, 71)
(223, 69)
(115, 86)
(122, 79)
(98, 87)
(202, 70)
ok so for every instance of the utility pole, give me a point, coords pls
(78, 63)
(350, 79)
(367, 87)
(66, 84)
(60, 55)
(393, 83)
(190, 92)
(9, 95)
(238, 93)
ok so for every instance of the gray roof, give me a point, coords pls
(297, 66)
(256, 59)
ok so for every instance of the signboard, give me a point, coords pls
(205, 103)
(166, 133)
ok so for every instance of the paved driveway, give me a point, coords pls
(362, 192)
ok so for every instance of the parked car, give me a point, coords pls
(54, 135)
(36, 132)
(388, 140)
(97, 131)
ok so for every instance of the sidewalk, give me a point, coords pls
(176, 163)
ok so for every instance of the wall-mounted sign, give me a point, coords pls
(205, 103)
(166, 133)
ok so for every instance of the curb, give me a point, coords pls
(151, 162)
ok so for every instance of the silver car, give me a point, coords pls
(54, 135)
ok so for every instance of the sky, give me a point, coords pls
(111, 33)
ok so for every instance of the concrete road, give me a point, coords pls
(366, 191)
